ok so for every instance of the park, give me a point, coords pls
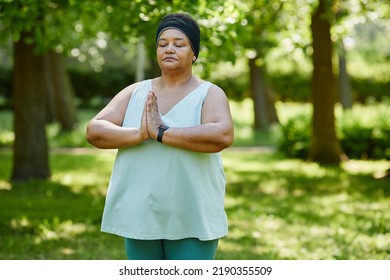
(307, 176)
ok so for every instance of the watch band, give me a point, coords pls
(161, 130)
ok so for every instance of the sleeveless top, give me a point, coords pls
(161, 192)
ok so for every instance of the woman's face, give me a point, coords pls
(174, 50)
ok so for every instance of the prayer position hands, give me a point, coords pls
(144, 126)
(153, 117)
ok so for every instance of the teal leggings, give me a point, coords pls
(162, 249)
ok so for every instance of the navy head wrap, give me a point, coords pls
(183, 23)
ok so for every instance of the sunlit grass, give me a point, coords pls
(59, 218)
(278, 209)
(289, 209)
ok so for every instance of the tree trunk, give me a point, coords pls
(264, 105)
(325, 147)
(59, 92)
(344, 81)
(30, 158)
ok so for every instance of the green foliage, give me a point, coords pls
(277, 208)
(364, 132)
(365, 89)
(290, 86)
(370, 40)
(231, 30)
(232, 78)
(95, 89)
(51, 24)
(75, 138)
(296, 134)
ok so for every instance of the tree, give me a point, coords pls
(37, 28)
(325, 147)
(59, 92)
(262, 18)
(241, 30)
(349, 14)
(30, 147)
(42, 32)
(343, 78)
(344, 84)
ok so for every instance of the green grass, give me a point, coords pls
(289, 209)
(59, 218)
(278, 209)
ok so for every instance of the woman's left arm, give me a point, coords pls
(215, 133)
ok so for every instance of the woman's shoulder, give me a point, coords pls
(130, 89)
(213, 88)
(136, 85)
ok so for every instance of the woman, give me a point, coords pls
(166, 193)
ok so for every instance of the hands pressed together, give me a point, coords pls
(151, 118)
(105, 130)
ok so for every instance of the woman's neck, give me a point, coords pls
(176, 80)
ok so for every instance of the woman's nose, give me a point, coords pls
(170, 48)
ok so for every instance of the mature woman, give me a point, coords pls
(166, 193)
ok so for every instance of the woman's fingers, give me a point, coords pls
(144, 126)
(153, 115)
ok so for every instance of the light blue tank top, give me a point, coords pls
(162, 192)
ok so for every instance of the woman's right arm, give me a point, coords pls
(105, 130)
